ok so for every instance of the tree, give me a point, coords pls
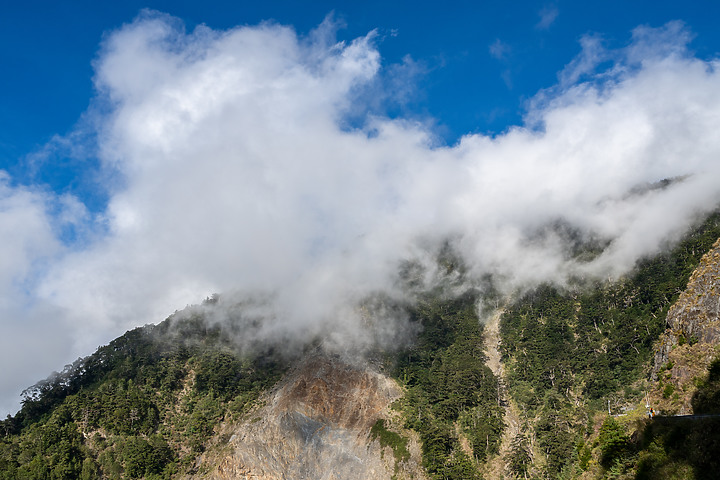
(614, 442)
(519, 459)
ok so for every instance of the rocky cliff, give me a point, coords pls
(316, 424)
(692, 338)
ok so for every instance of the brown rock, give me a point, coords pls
(692, 338)
(316, 425)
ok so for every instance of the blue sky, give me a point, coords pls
(150, 158)
(478, 62)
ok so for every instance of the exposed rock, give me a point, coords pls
(692, 338)
(496, 466)
(316, 425)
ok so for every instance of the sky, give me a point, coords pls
(154, 153)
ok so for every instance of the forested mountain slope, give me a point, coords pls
(181, 400)
(692, 339)
(143, 406)
(578, 360)
(163, 402)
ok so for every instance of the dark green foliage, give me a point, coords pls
(668, 390)
(390, 439)
(51, 451)
(143, 457)
(519, 460)
(90, 469)
(675, 447)
(448, 383)
(593, 341)
(119, 407)
(614, 442)
(598, 338)
(584, 455)
(460, 466)
(220, 372)
(202, 413)
(556, 432)
(680, 447)
(535, 330)
(228, 376)
(438, 443)
(706, 399)
(132, 391)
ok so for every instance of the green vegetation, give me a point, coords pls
(614, 442)
(706, 400)
(571, 353)
(604, 332)
(143, 406)
(147, 404)
(674, 448)
(450, 390)
(387, 438)
(520, 459)
(680, 448)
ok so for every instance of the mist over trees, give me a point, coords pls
(148, 403)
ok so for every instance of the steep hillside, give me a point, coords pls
(318, 423)
(144, 406)
(692, 339)
(578, 358)
(451, 396)
(179, 400)
(553, 387)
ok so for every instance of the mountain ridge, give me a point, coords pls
(180, 400)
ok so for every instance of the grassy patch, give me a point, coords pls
(397, 442)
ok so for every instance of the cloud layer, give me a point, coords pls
(235, 167)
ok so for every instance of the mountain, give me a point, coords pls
(692, 338)
(316, 420)
(583, 369)
(549, 382)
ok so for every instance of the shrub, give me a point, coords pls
(614, 442)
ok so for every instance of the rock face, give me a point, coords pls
(692, 338)
(316, 425)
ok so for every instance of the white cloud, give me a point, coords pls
(499, 49)
(30, 332)
(27, 236)
(240, 174)
(548, 14)
(593, 53)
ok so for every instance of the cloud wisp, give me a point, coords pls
(235, 170)
(548, 14)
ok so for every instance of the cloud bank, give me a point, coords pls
(235, 162)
